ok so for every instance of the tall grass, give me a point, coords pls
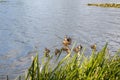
(98, 66)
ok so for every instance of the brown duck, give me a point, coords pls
(57, 51)
(78, 49)
(67, 41)
(93, 47)
(67, 49)
(46, 52)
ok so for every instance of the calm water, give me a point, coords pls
(27, 25)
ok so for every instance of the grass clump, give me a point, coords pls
(108, 5)
(98, 66)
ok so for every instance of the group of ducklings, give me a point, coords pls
(67, 41)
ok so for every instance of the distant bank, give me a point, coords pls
(113, 5)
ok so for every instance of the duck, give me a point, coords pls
(67, 41)
(46, 52)
(93, 47)
(67, 49)
(77, 49)
(57, 51)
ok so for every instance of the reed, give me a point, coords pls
(98, 66)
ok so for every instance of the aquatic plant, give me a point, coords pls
(98, 66)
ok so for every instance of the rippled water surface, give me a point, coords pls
(27, 25)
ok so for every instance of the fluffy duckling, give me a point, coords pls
(78, 49)
(46, 52)
(93, 47)
(67, 41)
(67, 49)
(57, 51)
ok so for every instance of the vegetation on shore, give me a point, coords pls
(2, 1)
(75, 65)
(108, 5)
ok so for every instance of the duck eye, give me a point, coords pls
(68, 40)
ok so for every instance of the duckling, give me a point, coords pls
(46, 52)
(57, 51)
(67, 49)
(78, 49)
(93, 47)
(67, 41)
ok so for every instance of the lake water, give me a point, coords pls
(30, 25)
